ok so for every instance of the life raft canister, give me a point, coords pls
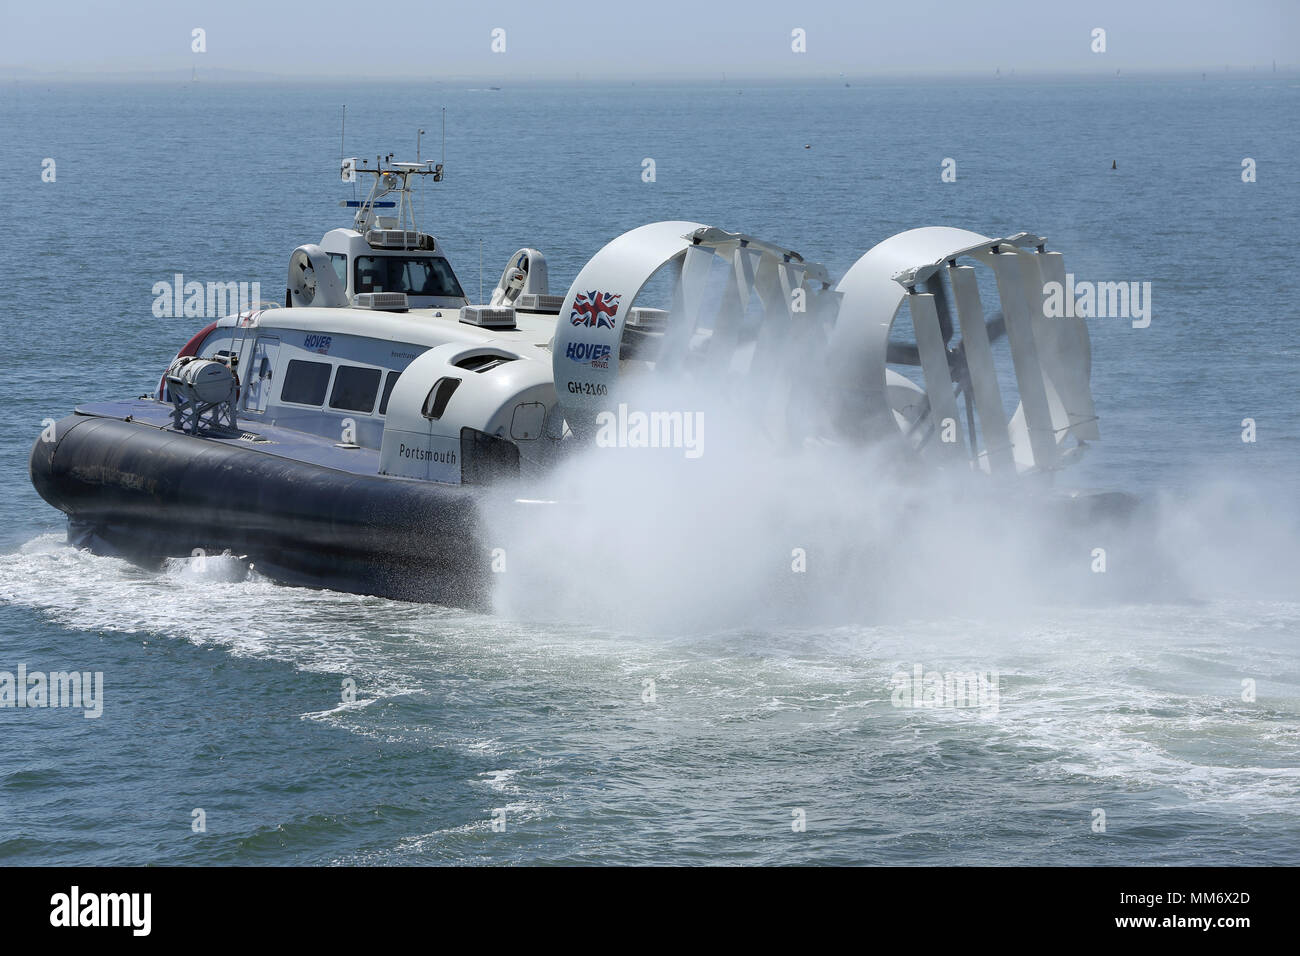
(191, 348)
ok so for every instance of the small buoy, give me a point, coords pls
(807, 146)
(1112, 165)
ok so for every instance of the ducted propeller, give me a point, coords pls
(313, 281)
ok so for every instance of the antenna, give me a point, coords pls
(480, 272)
(418, 134)
(444, 136)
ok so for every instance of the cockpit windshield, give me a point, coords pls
(414, 275)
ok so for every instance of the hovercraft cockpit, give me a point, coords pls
(384, 261)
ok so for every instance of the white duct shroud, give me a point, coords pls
(776, 316)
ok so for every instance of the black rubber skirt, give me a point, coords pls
(146, 494)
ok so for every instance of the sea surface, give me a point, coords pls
(663, 718)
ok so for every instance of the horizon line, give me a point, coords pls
(240, 75)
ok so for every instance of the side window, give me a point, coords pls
(435, 403)
(355, 388)
(340, 264)
(388, 391)
(372, 274)
(445, 280)
(305, 382)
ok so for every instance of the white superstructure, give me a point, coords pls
(378, 347)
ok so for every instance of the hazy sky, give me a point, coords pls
(667, 37)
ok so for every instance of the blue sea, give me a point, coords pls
(704, 725)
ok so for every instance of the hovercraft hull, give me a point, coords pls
(147, 493)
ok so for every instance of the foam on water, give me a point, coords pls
(1144, 695)
(1104, 698)
(216, 602)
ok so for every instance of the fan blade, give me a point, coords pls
(997, 326)
(996, 323)
(934, 285)
(906, 353)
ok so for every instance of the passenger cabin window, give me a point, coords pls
(305, 382)
(355, 388)
(414, 275)
(388, 391)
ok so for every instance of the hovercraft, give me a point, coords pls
(350, 438)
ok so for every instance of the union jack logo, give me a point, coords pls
(595, 309)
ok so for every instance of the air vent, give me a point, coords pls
(648, 320)
(488, 317)
(397, 239)
(483, 363)
(381, 301)
(545, 304)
